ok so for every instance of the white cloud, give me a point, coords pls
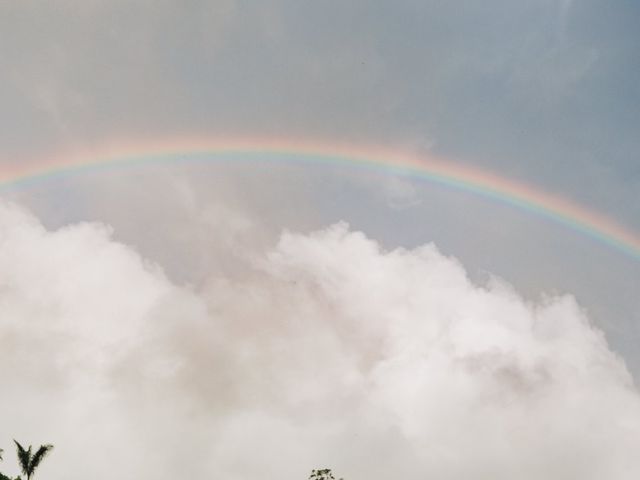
(326, 351)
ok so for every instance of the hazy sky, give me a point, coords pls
(258, 320)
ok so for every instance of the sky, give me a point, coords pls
(261, 318)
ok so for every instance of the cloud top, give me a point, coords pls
(326, 350)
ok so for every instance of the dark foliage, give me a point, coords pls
(322, 474)
(29, 462)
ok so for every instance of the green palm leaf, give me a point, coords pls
(29, 462)
(39, 455)
(24, 457)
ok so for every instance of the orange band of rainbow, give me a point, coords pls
(427, 168)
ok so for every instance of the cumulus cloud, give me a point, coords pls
(327, 350)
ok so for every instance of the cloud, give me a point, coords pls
(401, 193)
(327, 350)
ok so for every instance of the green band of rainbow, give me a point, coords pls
(431, 169)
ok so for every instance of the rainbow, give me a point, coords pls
(427, 168)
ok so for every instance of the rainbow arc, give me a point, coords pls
(427, 168)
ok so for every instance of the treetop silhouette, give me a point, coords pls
(28, 461)
(322, 474)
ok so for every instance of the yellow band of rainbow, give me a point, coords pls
(427, 168)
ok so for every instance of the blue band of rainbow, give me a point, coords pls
(427, 168)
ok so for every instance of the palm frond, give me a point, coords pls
(39, 455)
(24, 457)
